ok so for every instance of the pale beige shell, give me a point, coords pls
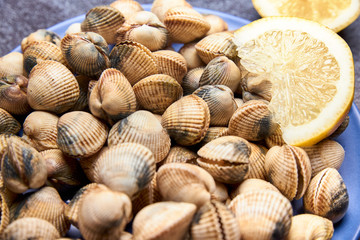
(252, 184)
(187, 120)
(22, 167)
(185, 24)
(213, 133)
(127, 7)
(238, 102)
(275, 139)
(309, 226)
(82, 102)
(40, 128)
(160, 7)
(103, 20)
(52, 87)
(180, 154)
(11, 64)
(86, 53)
(45, 204)
(289, 169)
(103, 214)
(220, 100)
(8, 124)
(80, 134)
(88, 163)
(226, 158)
(112, 98)
(30, 228)
(256, 86)
(13, 94)
(214, 221)
(327, 195)
(157, 92)
(127, 56)
(185, 182)
(252, 121)
(262, 214)
(221, 193)
(188, 51)
(4, 209)
(217, 24)
(191, 80)
(257, 162)
(171, 63)
(73, 28)
(142, 127)
(163, 220)
(327, 153)
(41, 35)
(215, 45)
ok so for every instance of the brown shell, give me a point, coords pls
(13, 98)
(112, 98)
(238, 102)
(160, 7)
(275, 139)
(52, 87)
(180, 154)
(11, 64)
(127, 7)
(254, 86)
(221, 193)
(327, 195)
(341, 128)
(4, 211)
(252, 121)
(127, 56)
(252, 184)
(217, 24)
(187, 120)
(41, 35)
(188, 51)
(215, 45)
(163, 220)
(82, 102)
(226, 158)
(185, 182)
(257, 162)
(213, 133)
(157, 92)
(88, 163)
(103, 20)
(191, 80)
(8, 124)
(80, 134)
(171, 63)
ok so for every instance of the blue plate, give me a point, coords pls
(349, 226)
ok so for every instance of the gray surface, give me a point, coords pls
(21, 17)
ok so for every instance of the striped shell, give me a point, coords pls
(157, 92)
(238, 102)
(221, 193)
(127, 7)
(11, 64)
(82, 102)
(40, 35)
(87, 164)
(213, 133)
(171, 63)
(4, 137)
(275, 139)
(180, 154)
(252, 184)
(4, 209)
(191, 80)
(8, 124)
(160, 7)
(188, 51)
(80, 134)
(257, 162)
(217, 24)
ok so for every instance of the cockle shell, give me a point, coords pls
(217, 24)
(127, 7)
(221, 193)
(255, 86)
(52, 87)
(214, 221)
(262, 214)
(252, 121)
(80, 134)
(104, 20)
(157, 92)
(171, 63)
(252, 184)
(275, 139)
(8, 124)
(160, 7)
(86, 53)
(30, 228)
(191, 80)
(11, 64)
(239, 102)
(180, 154)
(257, 162)
(88, 163)
(187, 120)
(188, 51)
(82, 102)
(127, 56)
(13, 98)
(327, 195)
(41, 35)
(112, 98)
(163, 220)
(289, 169)
(73, 28)
(213, 133)
(226, 158)
(4, 210)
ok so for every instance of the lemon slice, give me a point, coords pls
(335, 14)
(311, 70)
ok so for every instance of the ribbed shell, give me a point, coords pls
(157, 92)
(238, 102)
(104, 20)
(164, 220)
(217, 24)
(112, 98)
(213, 133)
(11, 64)
(221, 193)
(41, 129)
(252, 121)
(214, 221)
(142, 127)
(8, 124)
(45, 204)
(86, 53)
(103, 214)
(188, 51)
(252, 184)
(13, 94)
(289, 169)
(255, 86)
(191, 80)
(127, 7)
(4, 211)
(40, 35)
(171, 63)
(22, 167)
(215, 45)
(220, 100)
(180, 154)
(126, 167)
(327, 195)
(257, 162)
(226, 158)
(30, 228)
(262, 215)
(80, 134)
(185, 24)
(128, 56)
(309, 226)
(160, 7)
(187, 120)
(327, 153)
(82, 102)
(185, 182)
(275, 139)
(87, 164)
(52, 87)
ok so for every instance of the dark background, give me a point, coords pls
(19, 18)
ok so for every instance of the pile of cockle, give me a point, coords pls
(182, 143)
